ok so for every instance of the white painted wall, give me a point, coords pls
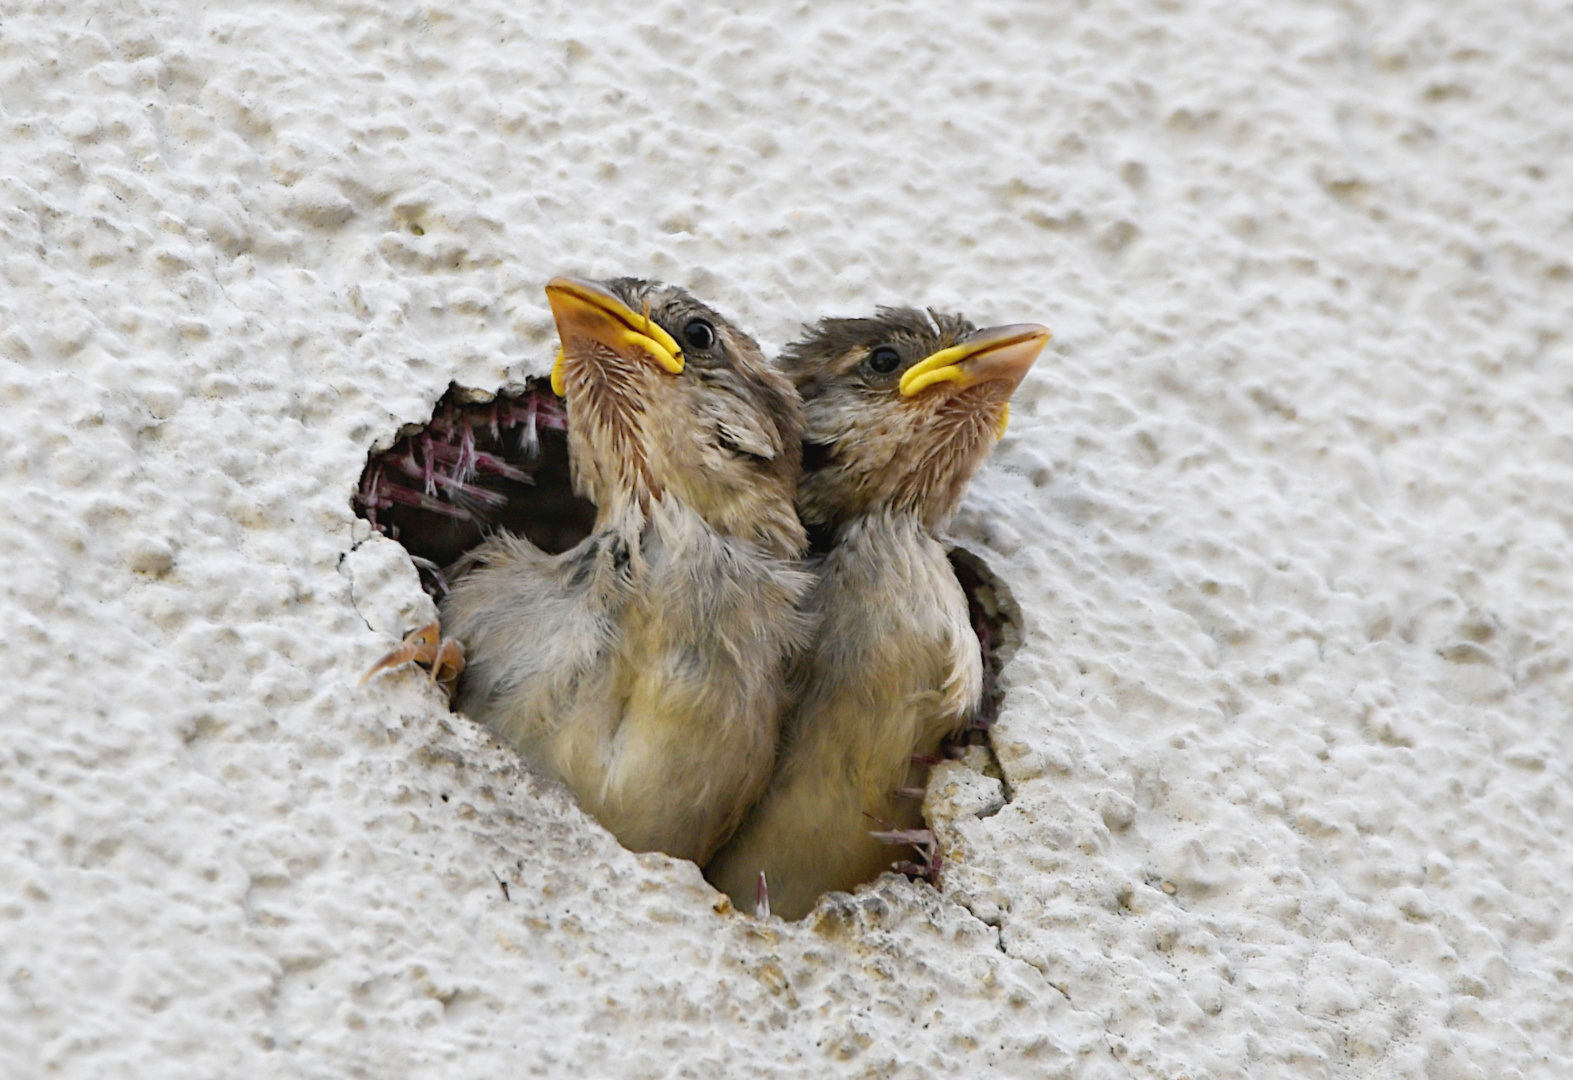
(1287, 507)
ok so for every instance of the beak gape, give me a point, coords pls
(588, 312)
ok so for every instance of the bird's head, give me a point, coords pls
(666, 399)
(900, 409)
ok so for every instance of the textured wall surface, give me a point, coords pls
(1286, 507)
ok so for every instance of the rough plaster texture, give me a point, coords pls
(1287, 746)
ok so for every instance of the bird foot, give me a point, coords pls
(442, 658)
(927, 864)
(762, 898)
(926, 869)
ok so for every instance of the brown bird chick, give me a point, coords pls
(899, 412)
(645, 667)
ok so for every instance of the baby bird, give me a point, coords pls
(644, 668)
(899, 412)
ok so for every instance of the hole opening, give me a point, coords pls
(486, 462)
(482, 463)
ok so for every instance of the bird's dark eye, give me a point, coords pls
(884, 360)
(699, 334)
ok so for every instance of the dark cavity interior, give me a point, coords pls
(483, 464)
(997, 621)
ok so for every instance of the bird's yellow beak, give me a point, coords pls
(1000, 354)
(585, 310)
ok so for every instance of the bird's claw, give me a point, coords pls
(924, 844)
(442, 658)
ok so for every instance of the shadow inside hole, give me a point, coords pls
(996, 619)
(483, 463)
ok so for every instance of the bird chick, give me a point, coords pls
(899, 412)
(644, 668)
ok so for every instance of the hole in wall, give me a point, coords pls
(996, 619)
(483, 463)
(499, 461)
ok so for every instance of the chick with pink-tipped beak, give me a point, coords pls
(645, 668)
(899, 412)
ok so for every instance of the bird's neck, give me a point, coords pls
(664, 524)
(896, 526)
(624, 518)
(768, 523)
(882, 543)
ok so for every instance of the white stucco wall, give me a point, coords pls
(1287, 507)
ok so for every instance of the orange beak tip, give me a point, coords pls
(585, 310)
